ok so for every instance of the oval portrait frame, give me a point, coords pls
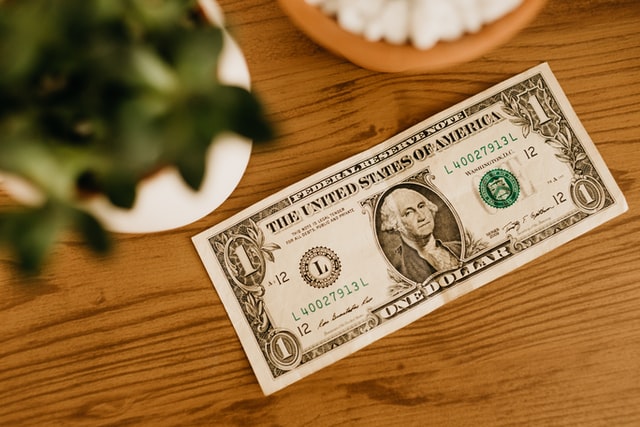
(447, 227)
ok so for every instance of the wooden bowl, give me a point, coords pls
(386, 57)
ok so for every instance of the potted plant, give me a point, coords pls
(96, 96)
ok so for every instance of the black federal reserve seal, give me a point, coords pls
(320, 267)
(499, 188)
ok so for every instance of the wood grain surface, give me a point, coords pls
(141, 338)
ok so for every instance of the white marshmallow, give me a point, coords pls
(373, 31)
(350, 18)
(425, 28)
(450, 22)
(494, 9)
(470, 15)
(368, 8)
(395, 21)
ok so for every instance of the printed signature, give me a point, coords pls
(517, 224)
(348, 310)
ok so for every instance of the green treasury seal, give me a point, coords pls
(499, 188)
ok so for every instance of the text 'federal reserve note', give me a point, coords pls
(361, 249)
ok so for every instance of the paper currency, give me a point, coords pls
(361, 249)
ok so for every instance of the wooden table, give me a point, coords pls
(142, 338)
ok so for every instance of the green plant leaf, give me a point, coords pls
(192, 167)
(196, 58)
(120, 188)
(31, 233)
(243, 112)
(93, 232)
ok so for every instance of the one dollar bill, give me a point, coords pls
(361, 249)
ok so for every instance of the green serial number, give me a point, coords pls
(481, 152)
(329, 298)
